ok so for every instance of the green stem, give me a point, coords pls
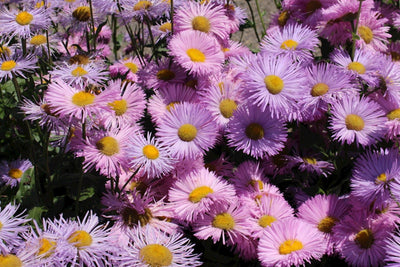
(253, 20)
(355, 28)
(114, 35)
(153, 45)
(93, 27)
(261, 17)
(172, 16)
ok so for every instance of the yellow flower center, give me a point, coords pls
(82, 13)
(224, 221)
(354, 122)
(199, 193)
(4, 50)
(195, 55)
(311, 161)
(381, 178)
(46, 247)
(1, 225)
(131, 66)
(108, 145)
(319, 89)
(15, 173)
(201, 23)
(227, 107)
(10, 260)
(257, 184)
(83, 98)
(274, 84)
(39, 4)
(394, 114)
(150, 152)
(24, 18)
(142, 5)
(8, 65)
(364, 238)
(326, 224)
(357, 67)
(312, 6)
(289, 246)
(79, 71)
(156, 255)
(254, 131)
(266, 220)
(289, 44)
(171, 105)
(187, 132)
(38, 39)
(80, 239)
(165, 75)
(132, 217)
(165, 27)
(119, 106)
(366, 34)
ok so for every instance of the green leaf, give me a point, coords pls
(36, 213)
(86, 193)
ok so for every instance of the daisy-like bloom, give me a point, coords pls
(324, 212)
(16, 66)
(392, 249)
(163, 74)
(290, 242)
(234, 49)
(149, 246)
(72, 102)
(267, 211)
(311, 164)
(373, 174)
(373, 34)
(226, 223)
(133, 209)
(12, 172)
(23, 23)
(325, 82)
(188, 130)
(356, 120)
(166, 98)
(126, 106)
(80, 74)
(19, 258)
(388, 77)
(12, 224)
(127, 66)
(77, 16)
(193, 196)
(197, 52)
(361, 239)
(256, 133)
(275, 83)
(207, 18)
(364, 65)
(161, 30)
(309, 12)
(106, 151)
(85, 242)
(150, 155)
(249, 177)
(294, 40)
(138, 9)
(236, 15)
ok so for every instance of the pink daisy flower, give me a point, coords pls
(290, 242)
(127, 66)
(196, 52)
(255, 132)
(166, 98)
(294, 40)
(275, 83)
(17, 66)
(140, 9)
(12, 172)
(359, 121)
(309, 12)
(249, 177)
(361, 239)
(373, 34)
(80, 74)
(388, 77)
(324, 212)
(148, 154)
(392, 249)
(373, 174)
(126, 106)
(226, 223)
(149, 246)
(193, 196)
(163, 74)
(207, 18)
(188, 129)
(106, 151)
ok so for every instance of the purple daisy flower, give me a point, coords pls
(248, 177)
(392, 249)
(295, 40)
(373, 174)
(16, 66)
(275, 83)
(356, 120)
(373, 34)
(289, 242)
(197, 52)
(255, 132)
(188, 129)
(12, 172)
